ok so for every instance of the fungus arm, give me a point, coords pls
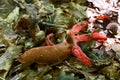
(76, 50)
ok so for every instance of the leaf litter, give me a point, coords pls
(26, 24)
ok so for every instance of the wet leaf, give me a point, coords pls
(111, 71)
(64, 76)
(7, 58)
(12, 16)
(28, 74)
(6, 6)
(100, 57)
(77, 11)
(61, 17)
(47, 77)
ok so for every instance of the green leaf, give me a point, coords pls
(64, 76)
(77, 11)
(47, 77)
(28, 74)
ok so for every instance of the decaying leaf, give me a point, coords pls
(7, 58)
(116, 48)
(78, 11)
(6, 7)
(25, 24)
(111, 71)
(12, 16)
(64, 76)
(12, 51)
(28, 74)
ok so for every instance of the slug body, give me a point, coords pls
(47, 54)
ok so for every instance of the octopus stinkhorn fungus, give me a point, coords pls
(76, 50)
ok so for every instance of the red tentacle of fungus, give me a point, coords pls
(48, 41)
(81, 26)
(82, 38)
(99, 37)
(91, 37)
(76, 50)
